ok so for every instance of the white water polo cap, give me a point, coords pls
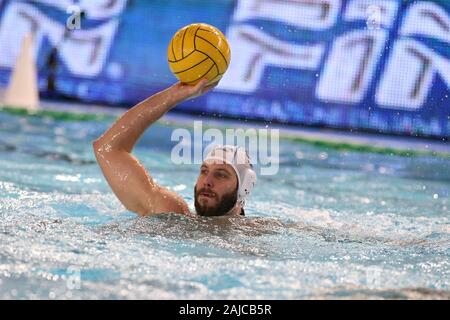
(238, 158)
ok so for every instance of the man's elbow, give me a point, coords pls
(96, 145)
(100, 147)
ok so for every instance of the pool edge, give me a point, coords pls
(345, 141)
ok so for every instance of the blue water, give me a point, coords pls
(331, 224)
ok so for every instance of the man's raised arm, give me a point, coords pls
(128, 179)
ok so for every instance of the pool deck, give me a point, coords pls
(334, 137)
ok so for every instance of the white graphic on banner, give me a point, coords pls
(83, 52)
(256, 50)
(409, 75)
(411, 69)
(95, 9)
(434, 22)
(350, 67)
(380, 12)
(308, 14)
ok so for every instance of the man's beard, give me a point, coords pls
(227, 203)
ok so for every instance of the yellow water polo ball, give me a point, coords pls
(198, 51)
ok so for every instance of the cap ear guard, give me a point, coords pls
(246, 185)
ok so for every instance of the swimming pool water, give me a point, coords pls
(330, 224)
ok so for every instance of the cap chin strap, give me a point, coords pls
(242, 213)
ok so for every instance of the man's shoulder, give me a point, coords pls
(170, 201)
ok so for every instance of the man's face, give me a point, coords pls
(216, 189)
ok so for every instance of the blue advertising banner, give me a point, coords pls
(378, 65)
